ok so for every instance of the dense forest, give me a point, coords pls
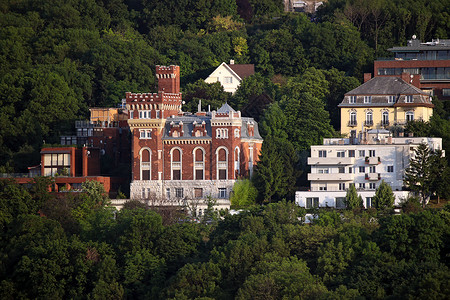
(59, 57)
(79, 248)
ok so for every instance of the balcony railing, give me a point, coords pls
(373, 176)
(368, 123)
(352, 123)
(331, 160)
(385, 123)
(331, 176)
(372, 160)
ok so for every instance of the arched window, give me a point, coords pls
(369, 118)
(236, 133)
(409, 116)
(199, 163)
(145, 163)
(236, 162)
(175, 163)
(352, 118)
(222, 163)
(385, 118)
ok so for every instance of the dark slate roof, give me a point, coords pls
(188, 126)
(225, 109)
(244, 129)
(243, 70)
(381, 85)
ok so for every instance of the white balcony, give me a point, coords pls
(373, 160)
(373, 176)
(331, 176)
(331, 160)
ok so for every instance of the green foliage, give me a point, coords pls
(384, 197)
(418, 174)
(244, 193)
(276, 174)
(352, 200)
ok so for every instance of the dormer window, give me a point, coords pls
(352, 99)
(409, 99)
(367, 99)
(391, 99)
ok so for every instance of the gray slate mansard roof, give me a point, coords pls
(380, 87)
(188, 126)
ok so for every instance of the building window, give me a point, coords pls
(323, 170)
(322, 153)
(351, 153)
(199, 163)
(390, 169)
(409, 116)
(341, 154)
(445, 92)
(362, 153)
(368, 202)
(144, 114)
(362, 169)
(342, 186)
(367, 99)
(145, 164)
(236, 133)
(143, 193)
(352, 99)
(372, 169)
(131, 114)
(322, 187)
(198, 192)
(228, 79)
(145, 134)
(385, 118)
(221, 133)
(391, 99)
(369, 118)
(176, 167)
(372, 186)
(371, 153)
(350, 170)
(353, 121)
(362, 186)
(312, 202)
(167, 193)
(57, 163)
(158, 114)
(222, 163)
(341, 169)
(409, 99)
(236, 161)
(222, 193)
(179, 192)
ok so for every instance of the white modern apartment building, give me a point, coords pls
(364, 162)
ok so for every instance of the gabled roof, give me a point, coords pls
(243, 70)
(226, 109)
(381, 85)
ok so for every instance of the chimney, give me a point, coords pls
(367, 76)
(231, 61)
(406, 77)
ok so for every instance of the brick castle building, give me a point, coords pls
(179, 155)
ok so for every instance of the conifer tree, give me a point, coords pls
(418, 174)
(352, 200)
(384, 197)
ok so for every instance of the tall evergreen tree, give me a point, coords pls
(418, 174)
(384, 197)
(352, 200)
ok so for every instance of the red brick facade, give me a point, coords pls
(172, 148)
